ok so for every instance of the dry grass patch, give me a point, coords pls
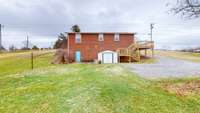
(194, 57)
(24, 54)
(184, 89)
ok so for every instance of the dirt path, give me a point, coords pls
(166, 67)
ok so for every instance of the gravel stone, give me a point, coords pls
(166, 67)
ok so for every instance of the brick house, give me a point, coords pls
(85, 46)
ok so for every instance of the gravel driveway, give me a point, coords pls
(166, 67)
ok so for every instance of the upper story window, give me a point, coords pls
(116, 37)
(78, 38)
(101, 37)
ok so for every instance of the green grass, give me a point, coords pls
(87, 88)
(21, 61)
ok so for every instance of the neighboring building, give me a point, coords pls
(196, 50)
(87, 47)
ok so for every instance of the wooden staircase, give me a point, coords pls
(133, 51)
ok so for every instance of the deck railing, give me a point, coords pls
(124, 52)
(133, 51)
(145, 44)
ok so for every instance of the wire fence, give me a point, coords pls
(14, 62)
(38, 58)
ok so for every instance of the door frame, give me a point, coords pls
(79, 59)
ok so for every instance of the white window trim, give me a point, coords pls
(117, 37)
(77, 35)
(101, 37)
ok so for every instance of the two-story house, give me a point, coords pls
(87, 47)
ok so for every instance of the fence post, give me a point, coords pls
(32, 60)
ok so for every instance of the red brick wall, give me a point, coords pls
(90, 46)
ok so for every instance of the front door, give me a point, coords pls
(78, 56)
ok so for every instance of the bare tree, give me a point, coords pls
(187, 8)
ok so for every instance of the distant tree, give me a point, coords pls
(35, 47)
(12, 48)
(187, 8)
(75, 28)
(2, 48)
(25, 48)
(61, 39)
(27, 45)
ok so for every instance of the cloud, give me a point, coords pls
(47, 18)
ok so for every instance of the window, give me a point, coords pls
(116, 37)
(78, 38)
(101, 38)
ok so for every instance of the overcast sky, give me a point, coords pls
(43, 20)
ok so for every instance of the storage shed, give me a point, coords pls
(108, 57)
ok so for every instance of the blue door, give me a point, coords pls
(78, 56)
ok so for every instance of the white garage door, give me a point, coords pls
(107, 58)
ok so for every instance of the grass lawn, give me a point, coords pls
(195, 57)
(89, 88)
(11, 63)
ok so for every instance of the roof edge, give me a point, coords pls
(102, 33)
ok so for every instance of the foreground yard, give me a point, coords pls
(81, 88)
(90, 88)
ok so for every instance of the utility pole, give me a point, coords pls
(32, 60)
(0, 38)
(151, 27)
(27, 42)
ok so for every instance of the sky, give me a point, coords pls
(43, 20)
